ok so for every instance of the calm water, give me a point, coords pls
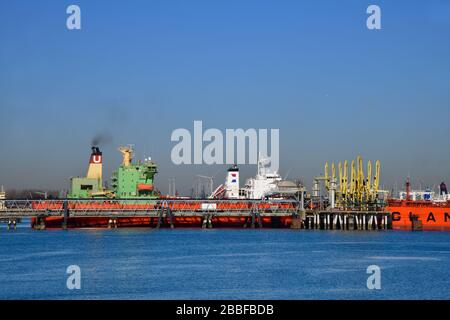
(223, 264)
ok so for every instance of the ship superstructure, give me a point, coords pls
(2, 198)
(130, 180)
(264, 183)
(134, 180)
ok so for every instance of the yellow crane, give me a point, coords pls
(361, 189)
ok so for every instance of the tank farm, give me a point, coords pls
(344, 197)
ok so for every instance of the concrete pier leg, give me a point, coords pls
(253, 220)
(351, 223)
(259, 220)
(364, 227)
(210, 222)
(328, 222)
(357, 222)
(341, 226)
(40, 223)
(66, 215)
(335, 219)
(169, 213)
(296, 223)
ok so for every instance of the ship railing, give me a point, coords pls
(58, 207)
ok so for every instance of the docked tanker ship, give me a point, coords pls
(422, 208)
(133, 190)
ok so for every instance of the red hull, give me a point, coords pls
(433, 216)
(178, 222)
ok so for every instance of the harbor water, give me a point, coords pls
(223, 264)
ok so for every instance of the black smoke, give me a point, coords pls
(101, 138)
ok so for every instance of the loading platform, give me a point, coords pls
(191, 213)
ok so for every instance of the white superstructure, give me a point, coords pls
(265, 182)
(2, 198)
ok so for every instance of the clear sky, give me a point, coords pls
(137, 70)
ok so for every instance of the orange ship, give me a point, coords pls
(430, 212)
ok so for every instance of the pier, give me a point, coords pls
(205, 214)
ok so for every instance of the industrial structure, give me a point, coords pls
(359, 191)
(344, 197)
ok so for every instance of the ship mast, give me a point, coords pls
(127, 153)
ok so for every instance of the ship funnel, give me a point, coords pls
(95, 164)
(232, 183)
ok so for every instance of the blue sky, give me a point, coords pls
(137, 70)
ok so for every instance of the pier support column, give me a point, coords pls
(204, 221)
(210, 221)
(351, 222)
(169, 213)
(335, 219)
(207, 223)
(66, 215)
(258, 215)
(40, 223)
(11, 224)
(253, 220)
(296, 223)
